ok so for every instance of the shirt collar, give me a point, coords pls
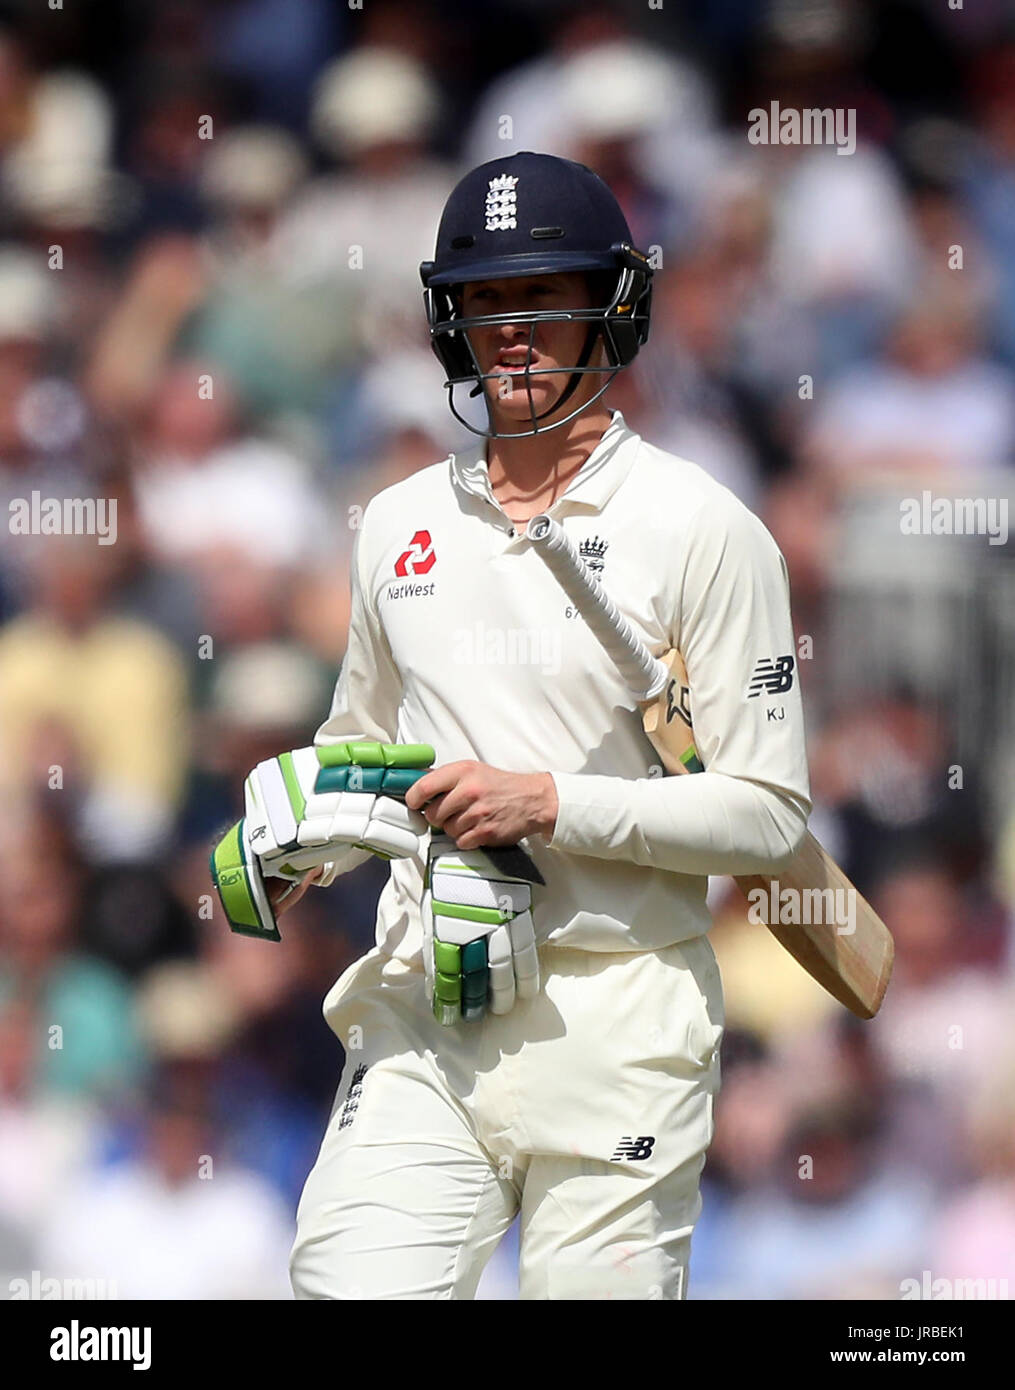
(592, 486)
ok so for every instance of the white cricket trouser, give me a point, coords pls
(588, 1109)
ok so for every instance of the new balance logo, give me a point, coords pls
(352, 1099)
(775, 677)
(634, 1149)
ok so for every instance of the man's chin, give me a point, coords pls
(521, 404)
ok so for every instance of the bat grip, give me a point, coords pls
(644, 673)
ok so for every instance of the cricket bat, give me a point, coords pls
(854, 967)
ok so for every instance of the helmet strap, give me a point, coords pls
(575, 377)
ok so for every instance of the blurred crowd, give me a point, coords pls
(212, 214)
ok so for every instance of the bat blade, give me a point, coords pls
(849, 951)
(852, 959)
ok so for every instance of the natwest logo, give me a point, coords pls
(419, 558)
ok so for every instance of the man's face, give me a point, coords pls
(505, 350)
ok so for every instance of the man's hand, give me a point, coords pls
(283, 895)
(479, 941)
(481, 805)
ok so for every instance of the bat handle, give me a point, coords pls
(645, 674)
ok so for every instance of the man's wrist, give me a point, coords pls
(547, 804)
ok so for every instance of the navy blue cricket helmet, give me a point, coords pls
(535, 214)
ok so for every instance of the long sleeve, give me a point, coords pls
(368, 690)
(747, 813)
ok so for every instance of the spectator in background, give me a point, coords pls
(207, 488)
(29, 319)
(93, 707)
(58, 172)
(175, 1222)
(46, 1137)
(947, 1017)
(16, 80)
(280, 335)
(148, 587)
(65, 196)
(274, 48)
(975, 1233)
(836, 1224)
(987, 175)
(28, 316)
(530, 94)
(692, 401)
(619, 102)
(79, 1021)
(132, 918)
(164, 284)
(880, 774)
(951, 250)
(241, 512)
(168, 103)
(842, 245)
(596, 90)
(210, 1032)
(398, 423)
(248, 175)
(262, 696)
(1005, 869)
(368, 225)
(933, 410)
(771, 339)
(750, 1130)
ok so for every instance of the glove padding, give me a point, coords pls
(479, 945)
(236, 874)
(304, 807)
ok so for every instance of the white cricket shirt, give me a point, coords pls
(461, 637)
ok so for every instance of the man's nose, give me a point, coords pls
(512, 332)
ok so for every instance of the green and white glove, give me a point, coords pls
(303, 808)
(479, 944)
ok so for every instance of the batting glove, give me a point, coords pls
(305, 806)
(479, 944)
